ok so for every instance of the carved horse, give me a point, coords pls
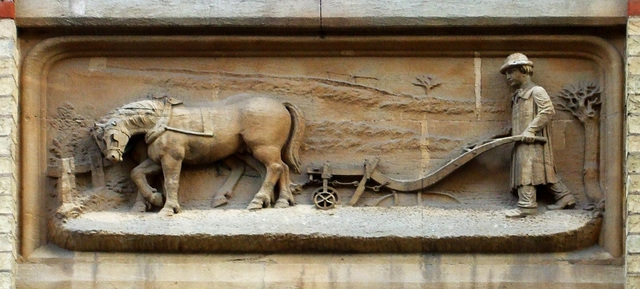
(137, 150)
(266, 128)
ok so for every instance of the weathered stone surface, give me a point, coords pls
(373, 13)
(304, 228)
(307, 13)
(176, 13)
(319, 271)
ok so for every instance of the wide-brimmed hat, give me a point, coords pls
(515, 59)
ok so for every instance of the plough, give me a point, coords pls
(326, 196)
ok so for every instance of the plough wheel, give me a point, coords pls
(325, 200)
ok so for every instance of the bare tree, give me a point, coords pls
(427, 81)
(583, 101)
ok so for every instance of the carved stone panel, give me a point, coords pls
(401, 147)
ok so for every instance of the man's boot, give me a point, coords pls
(566, 202)
(521, 212)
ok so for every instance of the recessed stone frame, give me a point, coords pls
(37, 64)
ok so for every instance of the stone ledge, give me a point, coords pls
(314, 13)
(344, 229)
(52, 267)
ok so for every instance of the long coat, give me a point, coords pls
(532, 164)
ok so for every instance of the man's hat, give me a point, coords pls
(515, 59)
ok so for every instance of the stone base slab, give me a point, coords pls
(343, 229)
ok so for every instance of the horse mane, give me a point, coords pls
(138, 113)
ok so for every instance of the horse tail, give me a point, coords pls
(292, 148)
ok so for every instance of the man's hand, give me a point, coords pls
(528, 137)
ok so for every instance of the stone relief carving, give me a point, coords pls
(532, 164)
(583, 101)
(427, 81)
(176, 134)
(419, 147)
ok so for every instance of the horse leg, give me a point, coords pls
(270, 157)
(286, 196)
(171, 168)
(139, 177)
(226, 191)
(141, 205)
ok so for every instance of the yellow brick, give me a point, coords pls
(633, 163)
(7, 85)
(633, 26)
(7, 224)
(633, 263)
(633, 144)
(7, 262)
(633, 104)
(633, 45)
(7, 186)
(633, 282)
(8, 29)
(634, 124)
(633, 224)
(633, 65)
(7, 242)
(7, 125)
(633, 243)
(633, 203)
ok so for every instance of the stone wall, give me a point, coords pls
(8, 151)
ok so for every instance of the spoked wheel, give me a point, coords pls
(325, 200)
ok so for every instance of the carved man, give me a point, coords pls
(532, 164)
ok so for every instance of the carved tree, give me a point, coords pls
(583, 101)
(427, 81)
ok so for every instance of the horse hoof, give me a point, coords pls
(282, 204)
(219, 201)
(138, 207)
(167, 212)
(156, 199)
(258, 204)
(254, 206)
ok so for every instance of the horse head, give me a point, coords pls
(115, 137)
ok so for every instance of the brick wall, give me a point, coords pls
(8, 152)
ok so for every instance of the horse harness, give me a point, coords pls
(163, 123)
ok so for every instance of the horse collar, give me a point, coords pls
(161, 124)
